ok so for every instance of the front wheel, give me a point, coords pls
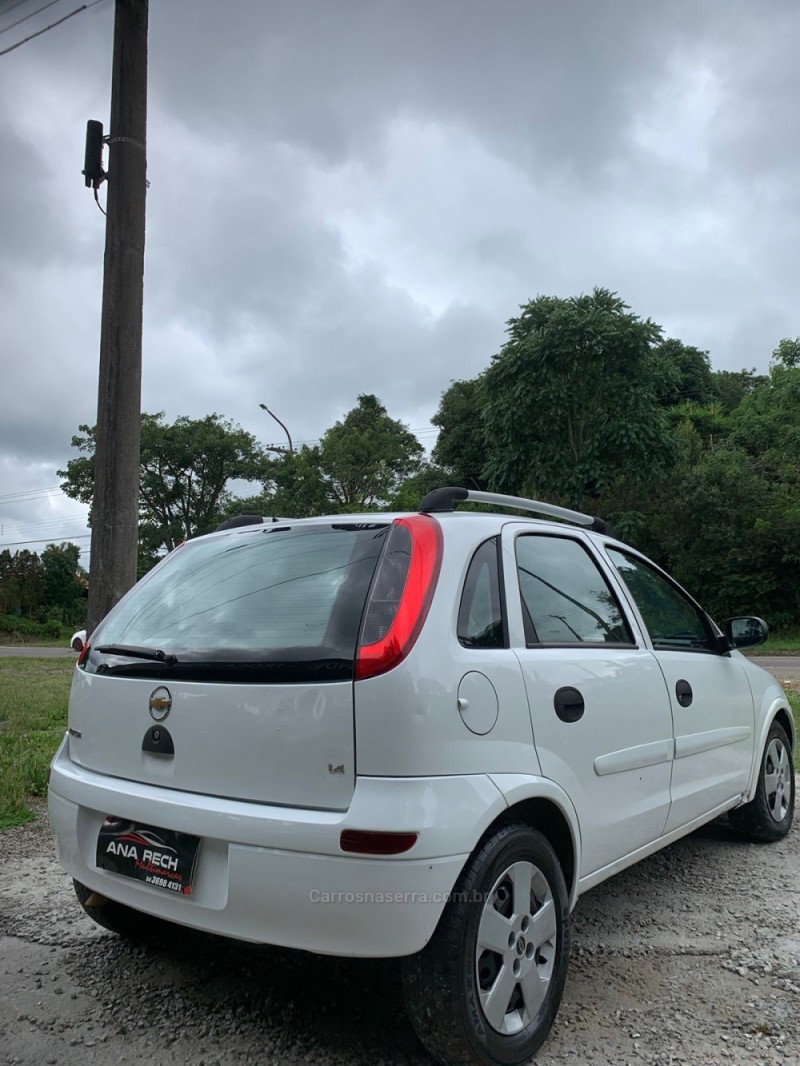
(768, 816)
(486, 989)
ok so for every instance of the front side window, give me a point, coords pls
(672, 620)
(565, 598)
(480, 614)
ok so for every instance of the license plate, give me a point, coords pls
(159, 857)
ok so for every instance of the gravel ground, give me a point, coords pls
(692, 957)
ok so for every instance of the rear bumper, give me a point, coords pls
(276, 875)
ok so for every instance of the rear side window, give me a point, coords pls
(565, 598)
(480, 614)
(280, 595)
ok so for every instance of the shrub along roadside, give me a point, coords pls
(781, 642)
(33, 716)
(17, 629)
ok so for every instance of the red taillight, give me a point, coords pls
(83, 654)
(400, 596)
(370, 842)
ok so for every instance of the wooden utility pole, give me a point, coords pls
(115, 506)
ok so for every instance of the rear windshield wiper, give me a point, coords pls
(139, 653)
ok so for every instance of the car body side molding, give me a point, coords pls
(635, 758)
(695, 743)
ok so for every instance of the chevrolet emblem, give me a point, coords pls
(160, 704)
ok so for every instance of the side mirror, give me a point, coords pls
(746, 632)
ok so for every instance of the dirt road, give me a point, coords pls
(692, 957)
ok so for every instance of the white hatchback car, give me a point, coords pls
(77, 640)
(420, 736)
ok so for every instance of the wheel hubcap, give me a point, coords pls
(516, 948)
(777, 779)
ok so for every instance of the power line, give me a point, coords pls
(19, 529)
(24, 492)
(43, 520)
(52, 26)
(44, 540)
(30, 495)
(26, 17)
(14, 6)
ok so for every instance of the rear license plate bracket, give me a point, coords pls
(159, 857)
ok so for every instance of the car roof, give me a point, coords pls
(484, 522)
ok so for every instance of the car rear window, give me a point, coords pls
(280, 595)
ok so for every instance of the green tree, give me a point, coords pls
(705, 424)
(729, 524)
(685, 373)
(460, 448)
(293, 488)
(21, 582)
(571, 402)
(359, 465)
(766, 424)
(732, 386)
(411, 492)
(731, 536)
(61, 579)
(787, 353)
(186, 467)
(365, 457)
(9, 598)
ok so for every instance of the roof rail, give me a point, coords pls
(240, 520)
(248, 520)
(443, 500)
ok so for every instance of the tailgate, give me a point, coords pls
(283, 744)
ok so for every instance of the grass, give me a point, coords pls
(780, 643)
(33, 716)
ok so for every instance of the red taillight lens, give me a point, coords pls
(400, 596)
(370, 842)
(83, 654)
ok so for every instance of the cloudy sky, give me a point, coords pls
(355, 195)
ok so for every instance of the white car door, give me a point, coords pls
(712, 705)
(598, 701)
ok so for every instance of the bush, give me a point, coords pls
(17, 629)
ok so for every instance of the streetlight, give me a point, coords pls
(275, 447)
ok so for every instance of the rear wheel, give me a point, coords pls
(486, 989)
(116, 917)
(769, 814)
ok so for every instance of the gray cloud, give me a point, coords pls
(356, 195)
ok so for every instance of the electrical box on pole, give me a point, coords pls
(93, 172)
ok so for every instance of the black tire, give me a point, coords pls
(448, 984)
(116, 917)
(768, 816)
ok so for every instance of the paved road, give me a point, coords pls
(784, 667)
